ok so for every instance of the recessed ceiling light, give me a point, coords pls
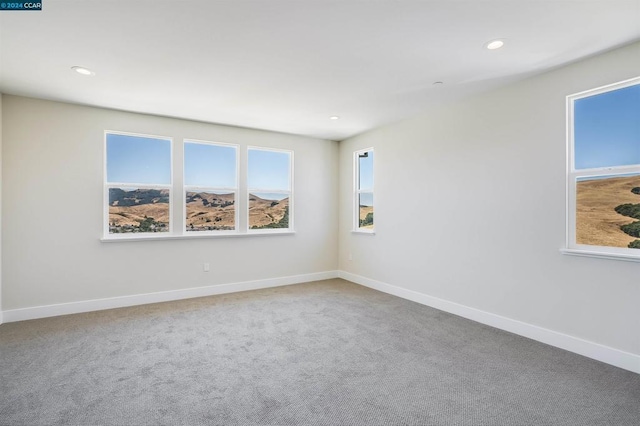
(83, 70)
(334, 117)
(494, 44)
(438, 83)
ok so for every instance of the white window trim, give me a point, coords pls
(572, 248)
(107, 185)
(144, 237)
(290, 194)
(241, 196)
(356, 229)
(193, 188)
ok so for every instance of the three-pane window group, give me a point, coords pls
(140, 186)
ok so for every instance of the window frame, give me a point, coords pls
(290, 193)
(573, 174)
(357, 192)
(189, 188)
(108, 185)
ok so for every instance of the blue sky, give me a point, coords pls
(607, 129)
(270, 195)
(268, 170)
(135, 159)
(366, 199)
(209, 165)
(366, 171)
(365, 181)
(146, 160)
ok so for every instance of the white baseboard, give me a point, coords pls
(163, 296)
(606, 354)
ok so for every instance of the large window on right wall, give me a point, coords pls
(363, 191)
(603, 211)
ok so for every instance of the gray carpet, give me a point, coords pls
(323, 353)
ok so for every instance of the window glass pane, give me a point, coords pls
(608, 211)
(365, 210)
(209, 165)
(210, 211)
(267, 210)
(138, 210)
(607, 129)
(137, 159)
(365, 168)
(269, 170)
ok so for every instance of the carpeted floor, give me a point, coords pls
(323, 353)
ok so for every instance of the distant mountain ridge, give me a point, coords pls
(211, 199)
(137, 197)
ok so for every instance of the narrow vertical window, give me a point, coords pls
(210, 187)
(137, 184)
(363, 195)
(604, 169)
(270, 189)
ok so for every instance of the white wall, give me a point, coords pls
(52, 222)
(470, 208)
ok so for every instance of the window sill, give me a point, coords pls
(194, 237)
(357, 231)
(601, 255)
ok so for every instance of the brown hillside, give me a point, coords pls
(209, 211)
(265, 212)
(597, 223)
(129, 208)
(133, 215)
(364, 211)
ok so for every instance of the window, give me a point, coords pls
(363, 194)
(270, 189)
(137, 184)
(139, 189)
(604, 170)
(210, 187)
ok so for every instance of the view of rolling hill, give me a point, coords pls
(147, 210)
(600, 220)
(208, 211)
(138, 210)
(366, 217)
(265, 213)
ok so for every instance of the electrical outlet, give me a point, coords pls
(350, 256)
(205, 267)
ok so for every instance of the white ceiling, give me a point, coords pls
(289, 65)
